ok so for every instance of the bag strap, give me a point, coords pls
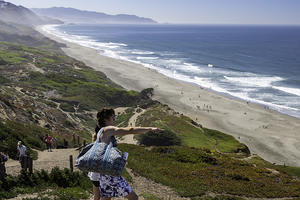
(93, 148)
(99, 134)
(108, 147)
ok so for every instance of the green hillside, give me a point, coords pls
(44, 91)
(192, 133)
(194, 172)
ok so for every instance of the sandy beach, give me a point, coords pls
(271, 135)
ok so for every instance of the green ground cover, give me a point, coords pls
(8, 58)
(71, 78)
(193, 172)
(293, 171)
(90, 95)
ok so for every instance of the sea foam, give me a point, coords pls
(294, 91)
(258, 81)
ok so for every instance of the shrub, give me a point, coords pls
(164, 138)
(146, 93)
(29, 183)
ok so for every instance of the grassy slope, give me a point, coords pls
(190, 171)
(192, 134)
(76, 82)
(76, 85)
(193, 172)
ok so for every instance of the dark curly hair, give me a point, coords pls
(105, 113)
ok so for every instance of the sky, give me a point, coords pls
(285, 12)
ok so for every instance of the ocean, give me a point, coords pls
(258, 64)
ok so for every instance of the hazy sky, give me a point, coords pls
(188, 11)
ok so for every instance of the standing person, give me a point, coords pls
(3, 159)
(115, 186)
(48, 141)
(22, 153)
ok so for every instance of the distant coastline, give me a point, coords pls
(72, 15)
(267, 133)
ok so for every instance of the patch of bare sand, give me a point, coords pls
(46, 160)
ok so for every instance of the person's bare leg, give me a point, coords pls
(96, 192)
(132, 196)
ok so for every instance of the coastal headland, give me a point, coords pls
(272, 135)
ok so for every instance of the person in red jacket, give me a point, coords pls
(48, 141)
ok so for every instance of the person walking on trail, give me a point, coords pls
(106, 186)
(22, 154)
(48, 141)
(3, 159)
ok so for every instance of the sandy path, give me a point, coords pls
(60, 157)
(129, 139)
(46, 160)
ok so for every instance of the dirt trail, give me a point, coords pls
(46, 160)
(60, 157)
(129, 139)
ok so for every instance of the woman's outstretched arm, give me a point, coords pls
(115, 131)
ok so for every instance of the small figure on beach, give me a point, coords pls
(22, 153)
(106, 186)
(3, 159)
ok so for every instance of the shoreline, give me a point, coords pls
(268, 133)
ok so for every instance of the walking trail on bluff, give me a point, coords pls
(60, 158)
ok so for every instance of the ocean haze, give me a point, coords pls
(189, 11)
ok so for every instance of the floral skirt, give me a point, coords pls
(113, 186)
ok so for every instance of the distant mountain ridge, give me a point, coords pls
(11, 13)
(72, 15)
